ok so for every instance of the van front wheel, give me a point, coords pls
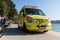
(46, 31)
(24, 28)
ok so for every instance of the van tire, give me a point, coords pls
(46, 31)
(18, 27)
(24, 28)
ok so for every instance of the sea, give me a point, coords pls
(56, 27)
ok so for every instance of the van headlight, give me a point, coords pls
(30, 20)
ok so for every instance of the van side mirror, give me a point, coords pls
(23, 15)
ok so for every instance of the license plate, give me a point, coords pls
(42, 27)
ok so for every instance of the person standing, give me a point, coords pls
(3, 20)
(2, 25)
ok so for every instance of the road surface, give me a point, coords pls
(13, 33)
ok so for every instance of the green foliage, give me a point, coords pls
(7, 8)
(12, 11)
(1, 7)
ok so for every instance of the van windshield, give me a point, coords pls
(34, 11)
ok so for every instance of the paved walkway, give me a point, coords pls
(14, 33)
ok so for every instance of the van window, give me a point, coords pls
(34, 11)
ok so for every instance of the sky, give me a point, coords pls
(50, 7)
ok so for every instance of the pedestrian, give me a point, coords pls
(3, 21)
(2, 24)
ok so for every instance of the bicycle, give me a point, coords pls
(2, 29)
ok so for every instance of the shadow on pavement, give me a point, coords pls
(16, 31)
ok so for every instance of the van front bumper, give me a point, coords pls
(33, 27)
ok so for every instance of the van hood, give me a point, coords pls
(38, 17)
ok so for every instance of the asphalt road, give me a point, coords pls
(13, 33)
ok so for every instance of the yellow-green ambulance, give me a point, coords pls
(32, 18)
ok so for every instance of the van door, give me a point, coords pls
(21, 18)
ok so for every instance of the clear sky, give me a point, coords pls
(50, 7)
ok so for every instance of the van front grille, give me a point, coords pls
(41, 25)
(41, 20)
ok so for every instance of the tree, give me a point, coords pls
(2, 7)
(12, 10)
(7, 8)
